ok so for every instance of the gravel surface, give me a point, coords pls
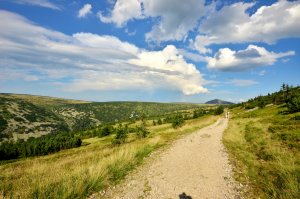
(195, 166)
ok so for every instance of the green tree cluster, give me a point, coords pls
(287, 94)
(198, 113)
(38, 146)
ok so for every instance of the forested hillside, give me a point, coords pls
(20, 119)
(24, 116)
(288, 95)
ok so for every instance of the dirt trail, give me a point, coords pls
(196, 164)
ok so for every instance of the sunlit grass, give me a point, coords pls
(78, 172)
(269, 164)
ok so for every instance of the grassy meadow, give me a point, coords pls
(78, 172)
(264, 145)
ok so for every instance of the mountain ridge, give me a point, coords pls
(218, 101)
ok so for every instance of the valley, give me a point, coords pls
(261, 140)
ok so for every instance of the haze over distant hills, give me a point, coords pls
(218, 101)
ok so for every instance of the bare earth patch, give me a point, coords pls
(196, 165)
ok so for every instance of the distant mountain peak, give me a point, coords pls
(218, 101)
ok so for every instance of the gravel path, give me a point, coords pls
(195, 166)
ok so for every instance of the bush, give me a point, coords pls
(293, 103)
(121, 135)
(198, 113)
(159, 121)
(178, 121)
(296, 117)
(105, 131)
(3, 124)
(261, 103)
(142, 132)
(219, 110)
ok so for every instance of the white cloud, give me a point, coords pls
(192, 56)
(242, 82)
(123, 11)
(90, 61)
(9, 74)
(170, 65)
(85, 10)
(232, 24)
(253, 56)
(176, 18)
(41, 3)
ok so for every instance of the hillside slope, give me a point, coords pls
(264, 142)
(20, 119)
(24, 116)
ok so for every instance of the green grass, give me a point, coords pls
(264, 147)
(79, 172)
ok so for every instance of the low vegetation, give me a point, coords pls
(264, 144)
(98, 163)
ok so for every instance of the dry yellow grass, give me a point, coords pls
(78, 172)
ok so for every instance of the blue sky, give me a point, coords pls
(148, 50)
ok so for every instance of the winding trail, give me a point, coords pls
(195, 164)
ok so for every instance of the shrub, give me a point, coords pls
(142, 132)
(219, 110)
(293, 103)
(261, 103)
(154, 123)
(121, 135)
(178, 121)
(3, 124)
(159, 121)
(198, 113)
(105, 131)
(296, 117)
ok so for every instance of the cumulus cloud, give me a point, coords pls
(85, 10)
(91, 62)
(123, 11)
(41, 3)
(253, 56)
(176, 18)
(233, 24)
(169, 64)
(242, 82)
